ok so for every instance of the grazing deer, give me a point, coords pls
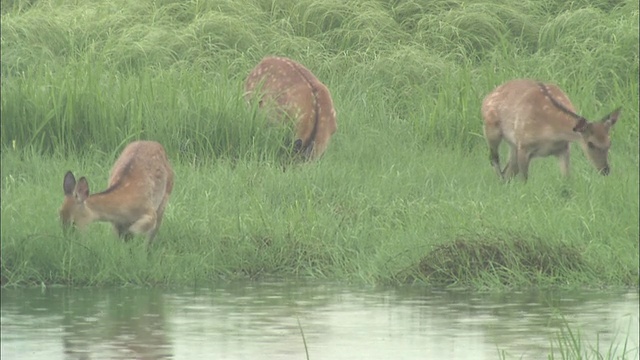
(289, 91)
(140, 183)
(538, 120)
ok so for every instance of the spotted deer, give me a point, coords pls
(140, 183)
(290, 92)
(537, 119)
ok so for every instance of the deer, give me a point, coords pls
(537, 120)
(140, 183)
(289, 92)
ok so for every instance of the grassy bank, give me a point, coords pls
(405, 191)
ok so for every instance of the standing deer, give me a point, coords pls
(289, 91)
(537, 120)
(140, 183)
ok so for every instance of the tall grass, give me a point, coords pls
(570, 344)
(404, 192)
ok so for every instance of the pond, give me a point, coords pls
(275, 319)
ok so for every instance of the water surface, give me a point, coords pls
(264, 321)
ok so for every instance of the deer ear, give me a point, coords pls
(82, 189)
(69, 183)
(611, 119)
(581, 126)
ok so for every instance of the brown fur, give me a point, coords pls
(289, 91)
(140, 183)
(539, 120)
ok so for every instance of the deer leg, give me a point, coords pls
(523, 162)
(159, 216)
(145, 224)
(511, 169)
(494, 138)
(122, 230)
(564, 161)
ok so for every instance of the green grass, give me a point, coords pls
(405, 191)
(569, 344)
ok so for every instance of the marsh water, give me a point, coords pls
(274, 320)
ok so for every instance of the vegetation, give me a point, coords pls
(405, 191)
(569, 344)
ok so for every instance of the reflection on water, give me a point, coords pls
(260, 321)
(84, 324)
(122, 324)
